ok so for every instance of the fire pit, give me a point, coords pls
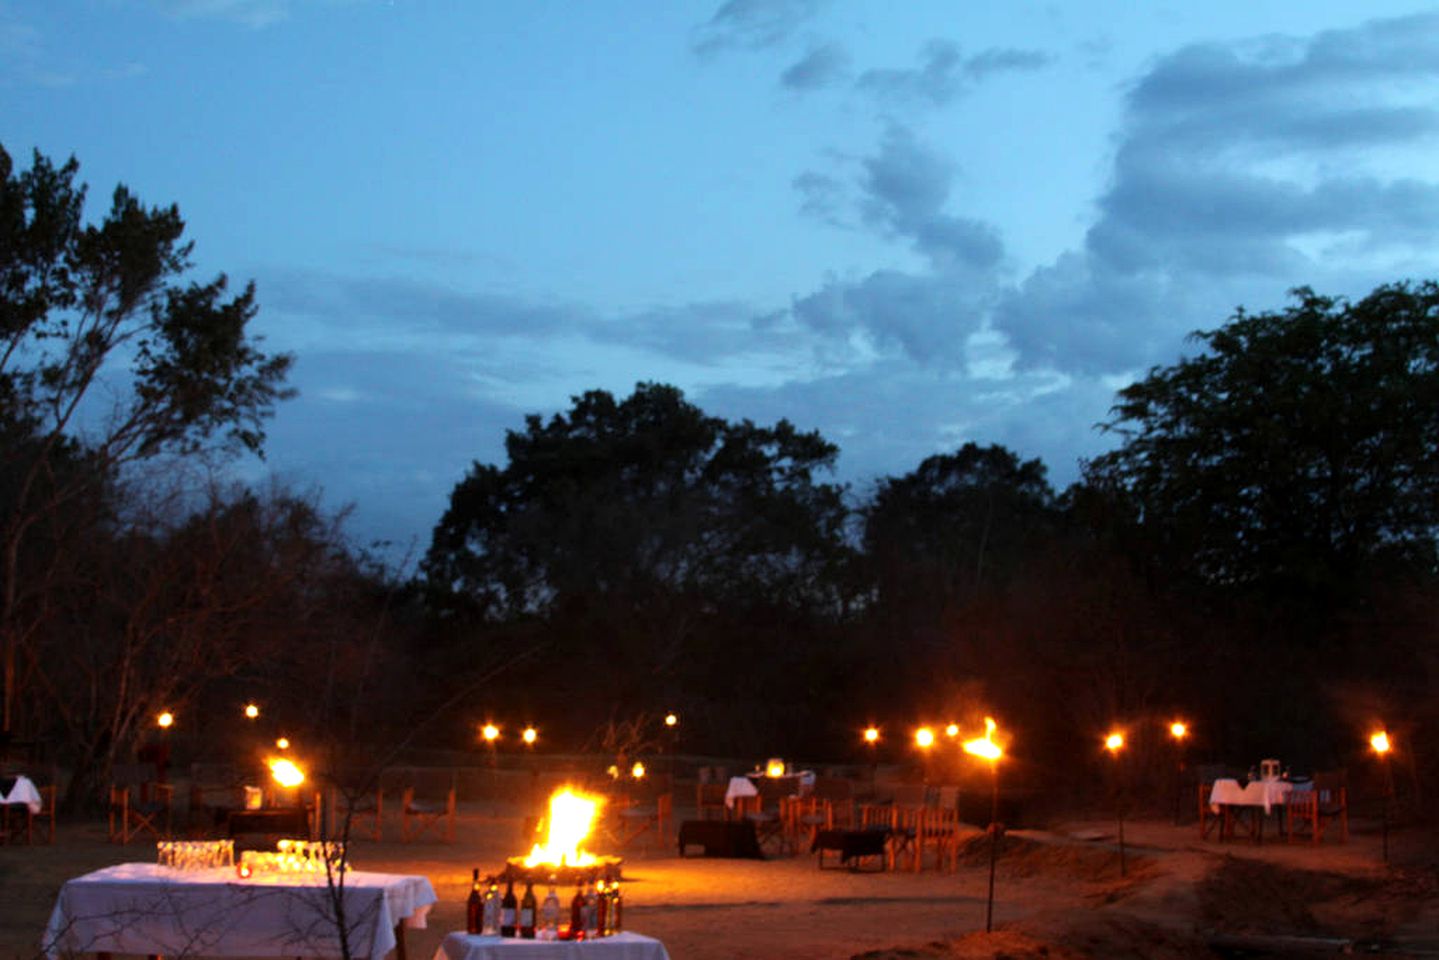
(562, 856)
(604, 868)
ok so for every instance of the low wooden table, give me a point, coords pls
(721, 838)
(279, 821)
(852, 846)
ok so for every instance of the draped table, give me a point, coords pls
(621, 946)
(142, 908)
(1241, 802)
(16, 791)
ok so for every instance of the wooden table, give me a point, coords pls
(142, 908)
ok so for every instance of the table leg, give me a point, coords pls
(400, 940)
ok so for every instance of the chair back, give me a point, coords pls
(874, 816)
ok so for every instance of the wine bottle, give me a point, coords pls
(508, 909)
(527, 912)
(617, 908)
(474, 904)
(577, 914)
(490, 926)
(595, 920)
(550, 914)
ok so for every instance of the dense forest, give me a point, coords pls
(1256, 553)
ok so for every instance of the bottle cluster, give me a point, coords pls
(596, 910)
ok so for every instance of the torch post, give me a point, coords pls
(1380, 743)
(986, 748)
(1178, 731)
(1114, 743)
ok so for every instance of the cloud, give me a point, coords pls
(929, 314)
(907, 185)
(943, 73)
(824, 65)
(1241, 170)
(753, 24)
(887, 417)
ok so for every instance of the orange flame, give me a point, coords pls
(572, 817)
(985, 746)
(285, 772)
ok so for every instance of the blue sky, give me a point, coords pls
(906, 225)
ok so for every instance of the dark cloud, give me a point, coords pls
(928, 317)
(943, 73)
(1240, 168)
(824, 65)
(753, 24)
(907, 185)
(888, 417)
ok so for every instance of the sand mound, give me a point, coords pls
(1023, 857)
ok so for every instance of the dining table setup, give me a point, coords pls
(216, 911)
(1235, 805)
(20, 800)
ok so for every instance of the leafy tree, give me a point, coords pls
(630, 527)
(107, 357)
(1297, 452)
(958, 521)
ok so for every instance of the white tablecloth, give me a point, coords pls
(744, 786)
(141, 908)
(622, 946)
(1255, 793)
(24, 792)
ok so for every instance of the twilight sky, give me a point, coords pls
(907, 225)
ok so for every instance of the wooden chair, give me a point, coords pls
(805, 817)
(45, 816)
(1210, 820)
(937, 830)
(709, 801)
(646, 819)
(366, 811)
(420, 816)
(768, 827)
(1312, 811)
(151, 812)
(905, 838)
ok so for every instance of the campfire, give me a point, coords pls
(572, 817)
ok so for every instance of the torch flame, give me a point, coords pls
(572, 816)
(1380, 742)
(285, 772)
(984, 746)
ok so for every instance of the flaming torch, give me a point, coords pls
(1178, 732)
(1114, 743)
(1379, 741)
(985, 748)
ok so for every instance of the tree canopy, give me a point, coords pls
(109, 354)
(1298, 451)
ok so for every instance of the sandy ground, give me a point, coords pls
(1058, 894)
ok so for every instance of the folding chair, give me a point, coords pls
(426, 815)
(709, 801)
(879, 817)
(129, 818)
(768, 827)
(653, 819)
(46, 815)
(1313, 810)
(365, 811)
(938, 830)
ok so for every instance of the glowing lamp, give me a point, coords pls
(638, 770)
(530, 736)
(952, 731)
(1179, 730)
(283, 743)
(871, 735)
(671, 720)
(165, 720)
(286, 773)
(924, 738)
(490, 732)
(252, 711)
(985, 746)
(1114, 742)
(242, 870)
(774, 768)
(1380, 742)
